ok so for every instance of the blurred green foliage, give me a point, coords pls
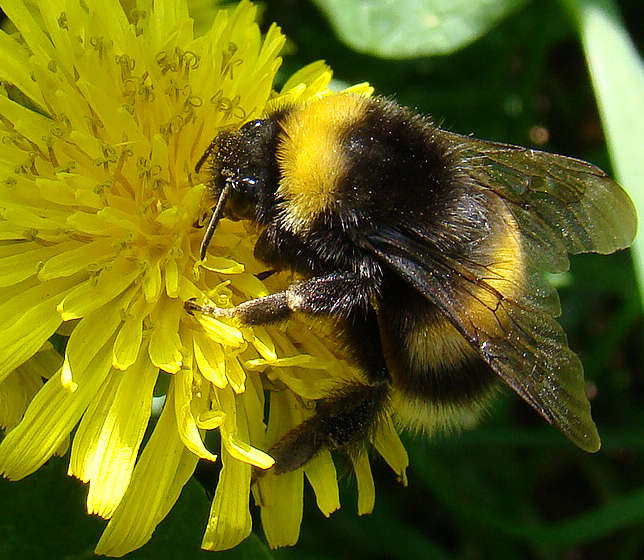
(513, 489)
(408, 28)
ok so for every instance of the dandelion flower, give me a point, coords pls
(104, 113)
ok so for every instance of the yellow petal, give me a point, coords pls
(16, 392)
(66, 377)
(388, 444)
(308, 74)
(14, 69)
(37, 219)
(169, 217)
(152, 281)
(229, 521)
(128, 341)
(33, 319)
(253, 404)
(236, 375)
(210, 420)
(70, 189)
(242, 451)
(263, 344)
(96, 224)
(107, 441)
(160, 473)
(210, 359)
(90, 295)
(320, 472)
(250, 285)
(165, 344)
(52, 414)
(44, 363)
(75, 257)
(172, 277)
(221, 332)
(55, 411)
(186, 422)
(13, 232)
(222, 265)
(281, 513)
(19, 261)
(234, 429)
(366, 487)
(281, 496)
(92, 333)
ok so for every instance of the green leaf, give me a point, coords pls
(409, 28)
(617, 73)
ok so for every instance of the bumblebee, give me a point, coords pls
(427, 249)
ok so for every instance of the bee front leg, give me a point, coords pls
(260, 311)
(332, 295)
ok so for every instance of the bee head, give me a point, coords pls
(243, 174)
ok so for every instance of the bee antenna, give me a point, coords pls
(214, 219)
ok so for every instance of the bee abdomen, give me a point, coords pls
(440, 381)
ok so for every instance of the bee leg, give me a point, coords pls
(349, 415)
(332, 295)
(341, 422)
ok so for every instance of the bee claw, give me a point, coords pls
(191, 305)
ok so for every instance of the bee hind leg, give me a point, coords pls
(342, 421)
(348, 416)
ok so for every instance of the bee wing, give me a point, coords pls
(562, 205)
(515, 335)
